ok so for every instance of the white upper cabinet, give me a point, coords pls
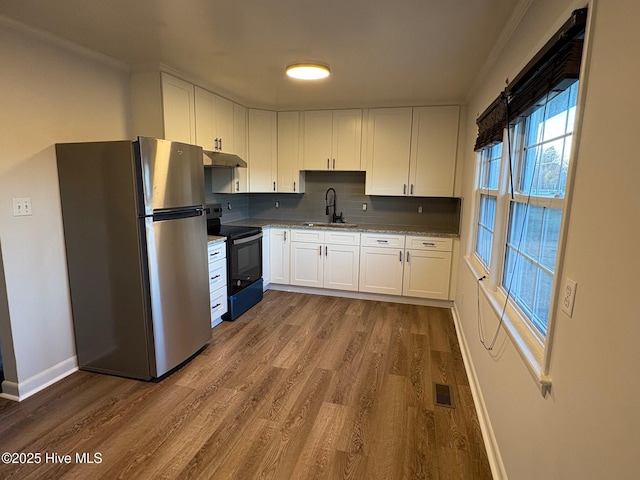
(332, 139)
(289, 178)
(234, 180)
(263, 150)
(214, 122)
(434, 147)
(388, 149)
(412, 151)
(162, 107)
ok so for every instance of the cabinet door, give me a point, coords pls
(263, 145)
(178, 109)
(223, 110)
(426, 274)
(288, 152)
(205, 119)
(266, 256)
(381, 270)
(388, 149)
(434, 147)
(341, 267)
(346, 139)
(318, 126)
(307, 264)
(240, 175)
(279, 254)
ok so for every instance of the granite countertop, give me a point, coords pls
(363, 228)
(215, 238)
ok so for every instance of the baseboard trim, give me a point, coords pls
(360, 295)
(19, 391)
(490, 442)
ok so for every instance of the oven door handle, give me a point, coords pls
(240, 241)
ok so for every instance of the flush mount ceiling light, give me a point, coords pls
(308, 71)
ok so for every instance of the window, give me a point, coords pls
(489, 169)
(543, 148)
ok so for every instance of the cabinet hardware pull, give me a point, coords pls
(404, 189)
(285, 235)
(334, 163)
(214, 277)
(294, 186)
(401, 255)
(412, 189)
(327, 164)
(237, 185)
(408, 258)
(215, 306)
(214, 254)
(325, 250)
(274, 186)
(320, 250)
(382, 241)
(428, 244)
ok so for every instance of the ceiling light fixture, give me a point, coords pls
(308, 71)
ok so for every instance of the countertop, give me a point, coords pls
(363, 228)
(215, 238)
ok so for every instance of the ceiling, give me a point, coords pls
(381, 52)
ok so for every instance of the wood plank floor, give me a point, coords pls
(300, 387)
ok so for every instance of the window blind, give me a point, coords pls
(552, 70)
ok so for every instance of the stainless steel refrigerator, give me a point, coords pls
(136, 246)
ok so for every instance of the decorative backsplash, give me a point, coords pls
(436, 211)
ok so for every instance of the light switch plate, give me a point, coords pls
(21, 206)
(568, 295)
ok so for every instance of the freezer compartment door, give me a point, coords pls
(178, 289)
(171, 175)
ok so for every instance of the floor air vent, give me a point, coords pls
(443, 396)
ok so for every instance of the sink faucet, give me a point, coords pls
(334, 217)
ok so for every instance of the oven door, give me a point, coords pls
(245, 261)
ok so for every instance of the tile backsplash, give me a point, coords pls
(436, 211)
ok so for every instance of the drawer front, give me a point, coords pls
(216, 251)
(218, 302)
(341, 238)
(217, 274)
(382, 240)
(307, 235)
(429, 243)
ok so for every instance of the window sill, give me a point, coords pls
(526, 343)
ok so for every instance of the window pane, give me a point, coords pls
(486, 221)
(532, 247)
(494, 166)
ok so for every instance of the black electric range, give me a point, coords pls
(244, 262)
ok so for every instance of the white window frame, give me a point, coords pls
(483, 189)
(533, 348)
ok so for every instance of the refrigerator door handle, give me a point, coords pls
(160, 215)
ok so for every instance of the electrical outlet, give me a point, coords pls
(419, 208)
(228, 205)
(568, 296)
(277, 204)
(364, 207)
(21, 207)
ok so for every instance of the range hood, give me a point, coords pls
(219, 159)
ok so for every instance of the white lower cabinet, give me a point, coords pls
(427, 268)
(266, 256)
(279, 255)
(325, 259)
(381, 263)
(217, 253)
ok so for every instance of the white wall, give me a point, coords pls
(587, 428)
(48, 94)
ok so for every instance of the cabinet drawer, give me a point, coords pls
(382, 240)
(216, 251)
(341, 238)
(217, 274)
(429, 243)
(218, 302)
(307, 235)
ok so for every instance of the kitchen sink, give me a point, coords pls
(332, 225)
